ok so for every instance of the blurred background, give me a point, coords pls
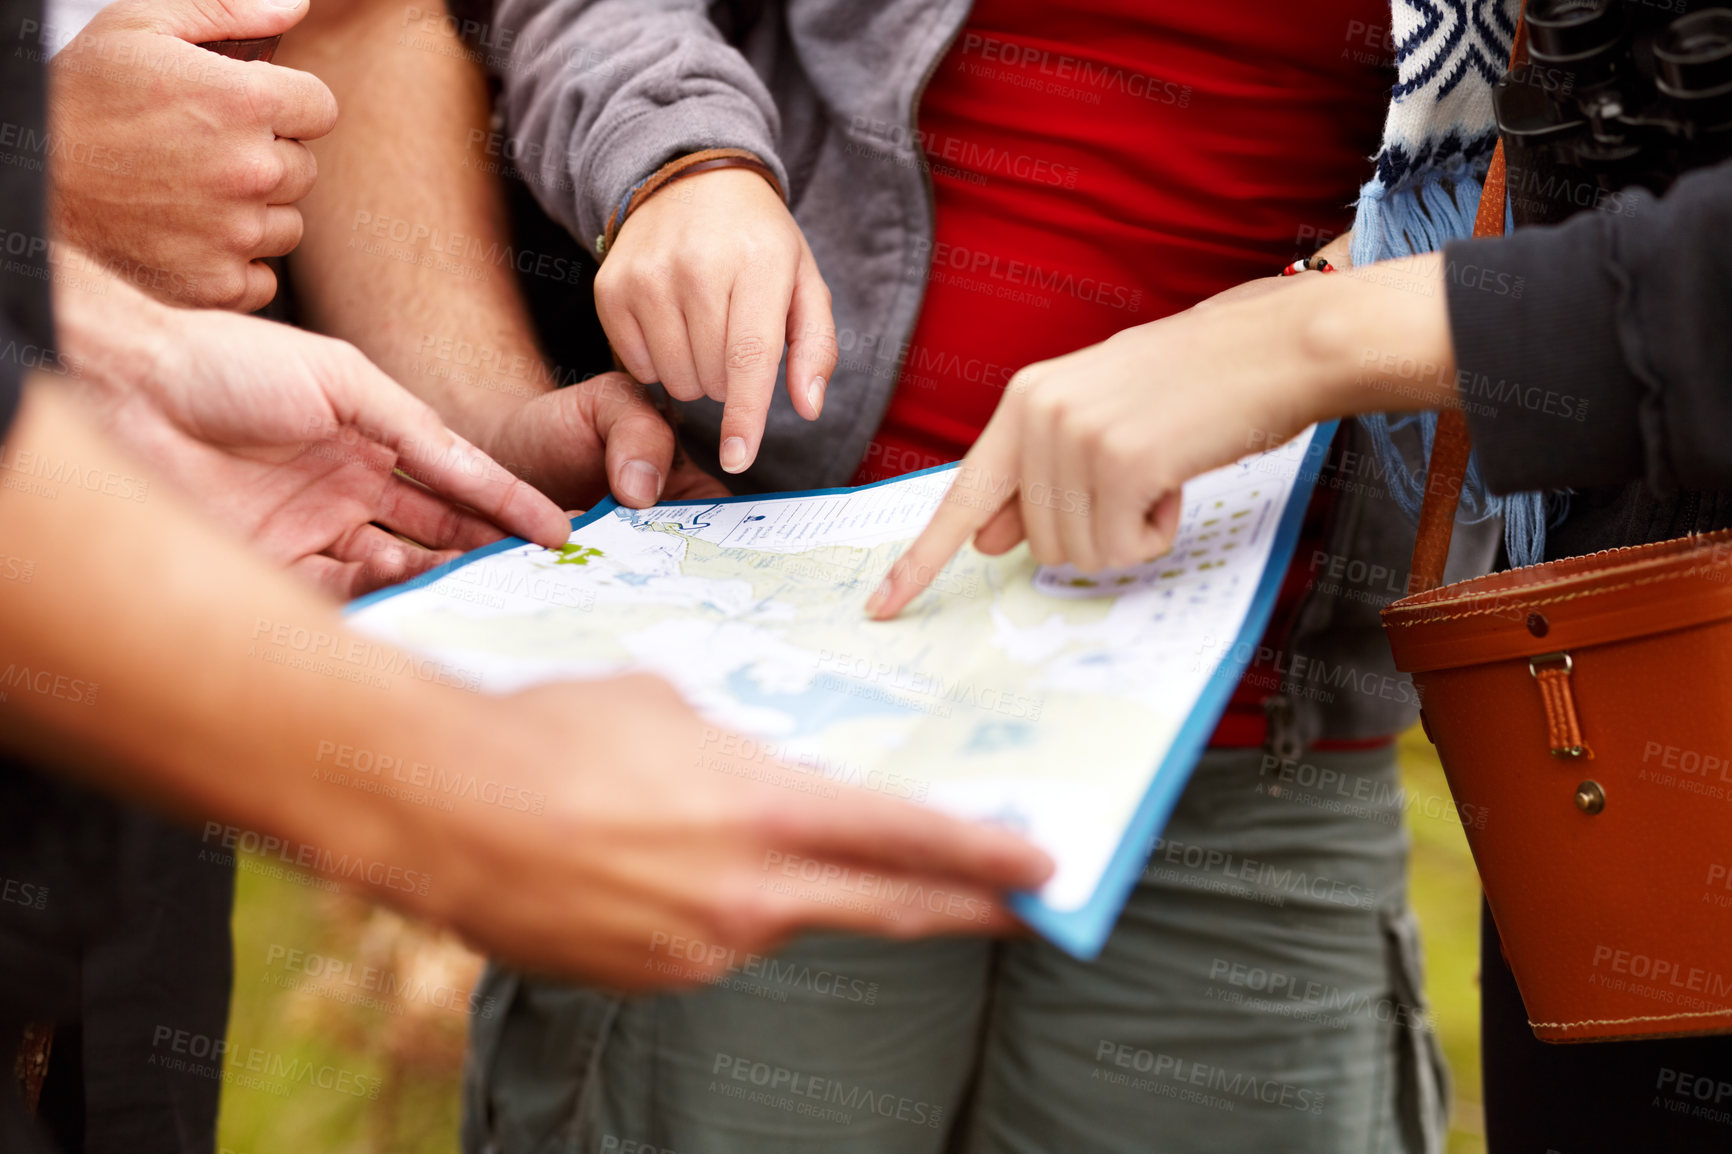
(326, 980)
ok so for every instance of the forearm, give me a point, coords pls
(109, 334)
(406, 251)
(1344, 344)
(173, 664)
(1591, 353)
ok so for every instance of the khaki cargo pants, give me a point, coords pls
(1261, 993)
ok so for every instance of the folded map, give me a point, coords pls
(1071, 707)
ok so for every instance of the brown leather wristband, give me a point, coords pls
(677, 169)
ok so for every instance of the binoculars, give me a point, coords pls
(1616, 94)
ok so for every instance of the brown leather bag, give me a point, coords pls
(1581, 707)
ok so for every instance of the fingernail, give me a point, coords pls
(815, 395)
(641, 482)
(734, 454)
(879, 596)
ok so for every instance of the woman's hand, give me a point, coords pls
(1086, 453)
(702, 287)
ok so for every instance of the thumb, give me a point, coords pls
(640, 445)
(199, 21)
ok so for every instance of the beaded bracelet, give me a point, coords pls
(1308, 264)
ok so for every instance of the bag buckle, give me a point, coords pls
(1564, 659)
(1551, 672)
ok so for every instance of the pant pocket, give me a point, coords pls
(531, 1065)
(1422, 1092)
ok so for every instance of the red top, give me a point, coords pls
(1102, 163)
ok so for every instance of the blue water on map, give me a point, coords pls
(827, 700)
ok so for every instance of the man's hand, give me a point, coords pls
(177, 166)
(701, 288)
(576, 443)
(293, 441)
(1086, 453)
(656, 827)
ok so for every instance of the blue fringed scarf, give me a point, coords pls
(1437, 142)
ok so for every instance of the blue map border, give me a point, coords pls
(1081, 932)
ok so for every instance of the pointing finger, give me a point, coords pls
(985, 481)
(758, 315)
(365, 398)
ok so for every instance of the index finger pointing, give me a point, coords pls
(984, 483)
(362, 396)
(460, 472)
(757, 318)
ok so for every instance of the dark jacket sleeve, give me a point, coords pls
(1599, 351)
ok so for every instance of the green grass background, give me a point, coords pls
(416, 1054)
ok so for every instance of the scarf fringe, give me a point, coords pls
(1422, 216)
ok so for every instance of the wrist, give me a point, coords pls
(456, 799)
(676, 170)
(396, 798)
(1374, 340)
(111, 336)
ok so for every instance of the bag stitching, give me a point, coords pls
(1627, 1021)
(1526, 601)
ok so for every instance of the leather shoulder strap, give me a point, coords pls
(1450, 446)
